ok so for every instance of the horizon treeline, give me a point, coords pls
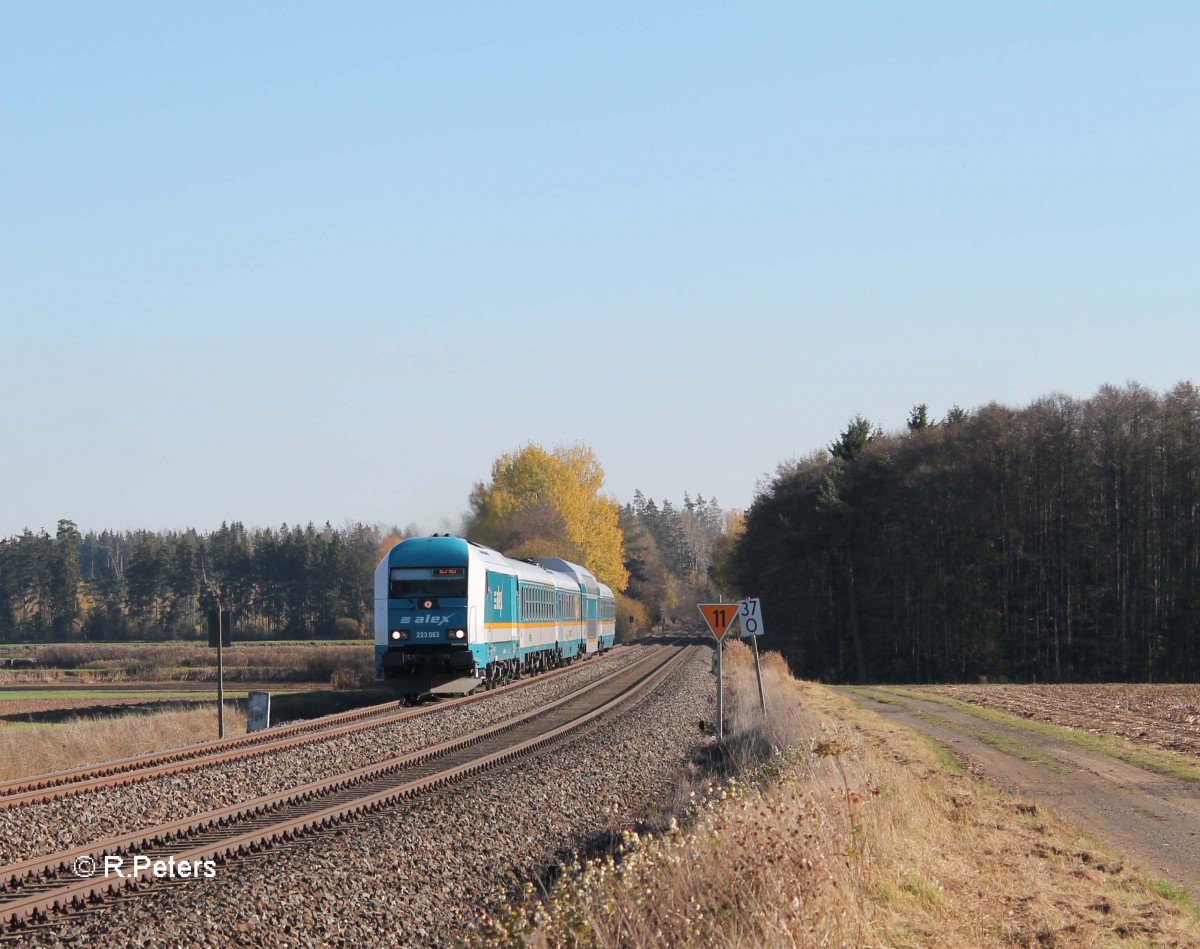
(302, 582)
(290, 582)
(673, 551)
(1055, 542)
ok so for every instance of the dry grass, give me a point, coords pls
(192, 662)
(37, 749)
(858, 833)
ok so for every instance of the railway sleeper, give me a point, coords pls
(379, 802)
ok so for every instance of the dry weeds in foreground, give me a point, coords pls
(859, 834)
(37, 749)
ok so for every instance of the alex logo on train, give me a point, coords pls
(432, 619)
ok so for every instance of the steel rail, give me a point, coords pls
(14, 874)
(43, 788)
(315, 806)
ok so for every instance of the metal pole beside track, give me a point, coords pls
(720, 681)
(762, 696)
(220, 676)
(720, 693)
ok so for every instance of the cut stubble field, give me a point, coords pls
(25, 709)
(82, 703)
(50, 681)
(1066, 746)
(1166, 716)
(39, 749)
(184, 662)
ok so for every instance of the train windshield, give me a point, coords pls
(437, 582)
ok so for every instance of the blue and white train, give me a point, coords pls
(451, 615)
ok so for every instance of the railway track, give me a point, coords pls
(50, 787)
(34, 892)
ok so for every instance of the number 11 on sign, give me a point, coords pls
(719, 617)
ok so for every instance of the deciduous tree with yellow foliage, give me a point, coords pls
(549, 504)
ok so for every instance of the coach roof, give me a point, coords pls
(580, 575)
(429, 552)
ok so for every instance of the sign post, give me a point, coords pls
(752, 627)
(219, 624)
(719, 617)
(220, 677)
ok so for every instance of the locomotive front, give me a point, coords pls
(423, 618)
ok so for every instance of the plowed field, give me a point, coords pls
(1167, 716)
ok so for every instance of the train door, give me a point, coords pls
(500, 616)
(522, 633)
(592, 633)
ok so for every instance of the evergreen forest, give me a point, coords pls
(296, 582)
(285, 583)
(1055, 542)
(1059, 541)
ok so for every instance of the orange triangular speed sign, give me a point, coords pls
(719, 616)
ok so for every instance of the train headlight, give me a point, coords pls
(458, 634)
(399, 634)
(427, 604)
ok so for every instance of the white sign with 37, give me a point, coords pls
(751, 617)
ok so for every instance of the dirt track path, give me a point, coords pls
(1153, 819)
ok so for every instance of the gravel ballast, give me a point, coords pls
(416, 875)
(36, 829)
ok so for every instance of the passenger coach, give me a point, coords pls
(451, 615)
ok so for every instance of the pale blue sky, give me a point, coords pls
(319, 262)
